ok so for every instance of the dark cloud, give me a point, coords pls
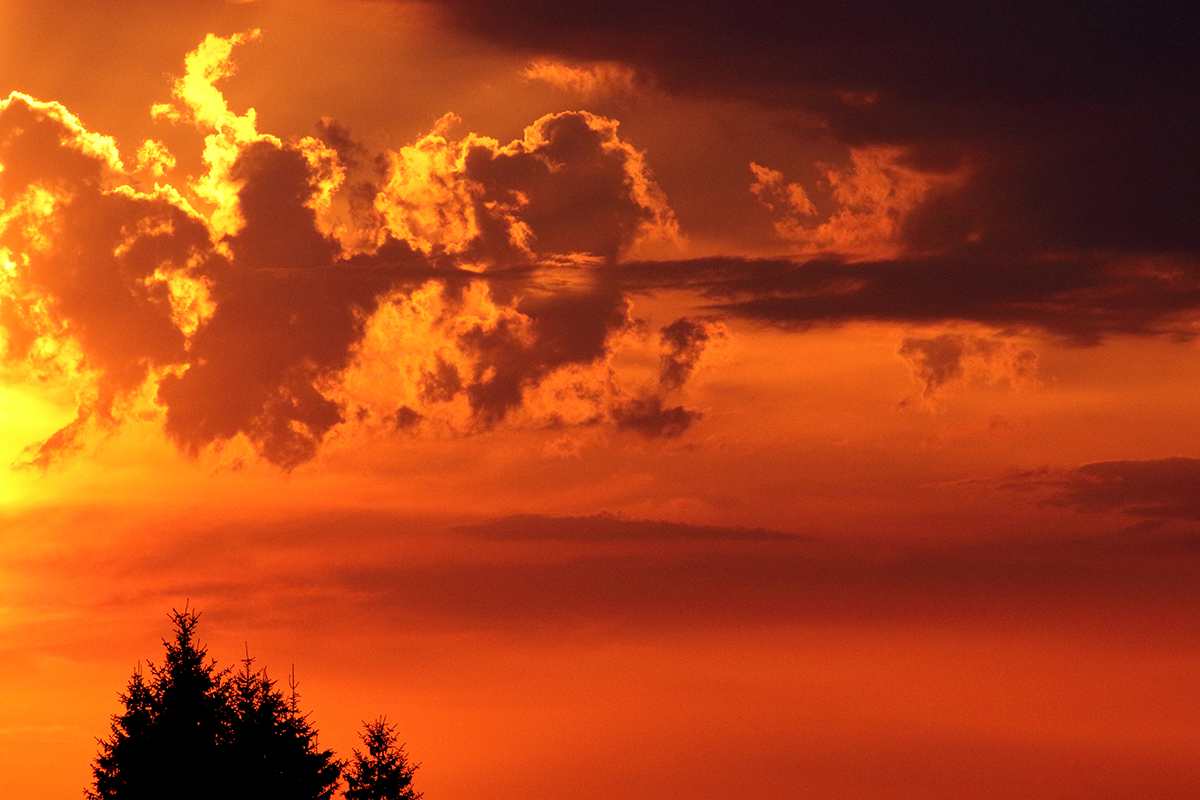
(932, 51)
(574, 175)
(42, 144)
(683, 342)
(286, 318)
(548, 218)
(936, 361)
(1167, 488)
(1077, 119)
(557, 330)
(1069, 128)
(350, 151)
(441, 384)
(1080, 298)
(101, 272)
(256, 362)
(280, 227)
(364, 173)
(649, 417)
(98, 266)
(278, 305)
(406, 418)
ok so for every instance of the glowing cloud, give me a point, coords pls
(595, 80)
(205, 106)
(245, 307)
(871, 199)
(94, 276)
(571, 185)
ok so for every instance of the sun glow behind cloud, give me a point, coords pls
(279, 221)
(24, 417)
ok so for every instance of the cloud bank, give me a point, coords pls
(296, 288)
(293, 292)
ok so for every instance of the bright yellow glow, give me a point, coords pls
(191, 301)
(35, 215)
(25, 419)
(230, 132)
(154, 157)
(328, 175)
(427, 201)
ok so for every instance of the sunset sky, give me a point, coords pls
(642, 400)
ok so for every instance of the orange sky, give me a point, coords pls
(646, 401)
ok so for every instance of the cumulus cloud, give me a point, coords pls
(947, 359)
(456, 360)
(286, 313)
(571, 185)
(871, 199)
(299, 290)
(294, 288)
(101, 283)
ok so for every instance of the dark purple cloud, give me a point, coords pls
(1080, 298)
(932, 50)
(1072, 124)
(1077, 119)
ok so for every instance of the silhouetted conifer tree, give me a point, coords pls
(274, 748)
(383, 772)
(131, 744)
(196, 732)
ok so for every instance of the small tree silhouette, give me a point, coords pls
(195, 732)
(383, 773)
